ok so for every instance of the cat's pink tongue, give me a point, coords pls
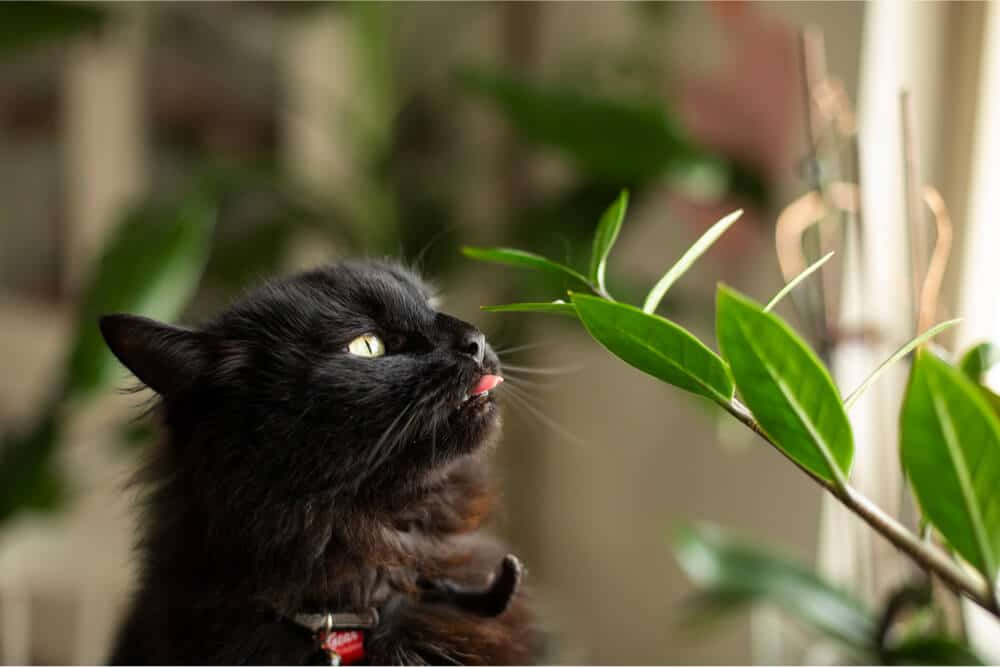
(485, 384)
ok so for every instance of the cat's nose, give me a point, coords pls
(464, 338)
(473, 343)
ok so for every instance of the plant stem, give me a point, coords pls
(601, 292)
(931, 558)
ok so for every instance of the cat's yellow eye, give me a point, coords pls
(368, 345)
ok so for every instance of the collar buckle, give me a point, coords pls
(341, 636)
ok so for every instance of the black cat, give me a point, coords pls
(319, 491)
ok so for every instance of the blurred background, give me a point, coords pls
(161, 158)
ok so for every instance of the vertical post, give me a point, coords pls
(317, 153)
(979, 308)
(104, 134)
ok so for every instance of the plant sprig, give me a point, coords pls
(790, 400)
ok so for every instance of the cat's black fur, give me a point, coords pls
(295, 477)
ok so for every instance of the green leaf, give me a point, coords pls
(28, 24)
(931, 651)
(690, 257)
(512, 257)
(992, 399)
(975, 363)
(896, 356)
(605, 237)
(786, 387)
(979, 359)
(734, 574)
(151, 267)
(29, 478)
(620, 140)
(612, 139)
(248, 254)
(655, 346)
(794, 282)
(558, 307)
(950, 449)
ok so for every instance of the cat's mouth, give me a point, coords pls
(483, 387)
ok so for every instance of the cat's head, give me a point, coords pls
(341, 378)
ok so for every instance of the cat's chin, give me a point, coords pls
(476, 421)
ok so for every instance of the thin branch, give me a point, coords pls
(931, 558)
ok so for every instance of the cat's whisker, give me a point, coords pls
(418, 262)
(526, 385)
(539, 370)
(378, 453)
(434, 435)
(504, 351)
(404, 434)
(525, 382)
(522, 392)
(524, 403)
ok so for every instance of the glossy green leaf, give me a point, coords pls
(786, 387)
(605, 237)
(512, 257)
(734, 574)
(950, 449)
(896, 356)
(931, 651)
(687, 259)
(979, 359)
(558, 307)
(28, 24)
(151, 267)
(794, 282)
(655, 346)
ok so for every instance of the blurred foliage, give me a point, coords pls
(930, 651)
(28, 24)
(613, 140)
(733, 574)
(151, 266)
(31, 480)
(978, 360)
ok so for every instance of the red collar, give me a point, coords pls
(341, 636)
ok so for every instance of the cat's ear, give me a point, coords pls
(167, 359)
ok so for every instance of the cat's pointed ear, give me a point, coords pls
(167, 359)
